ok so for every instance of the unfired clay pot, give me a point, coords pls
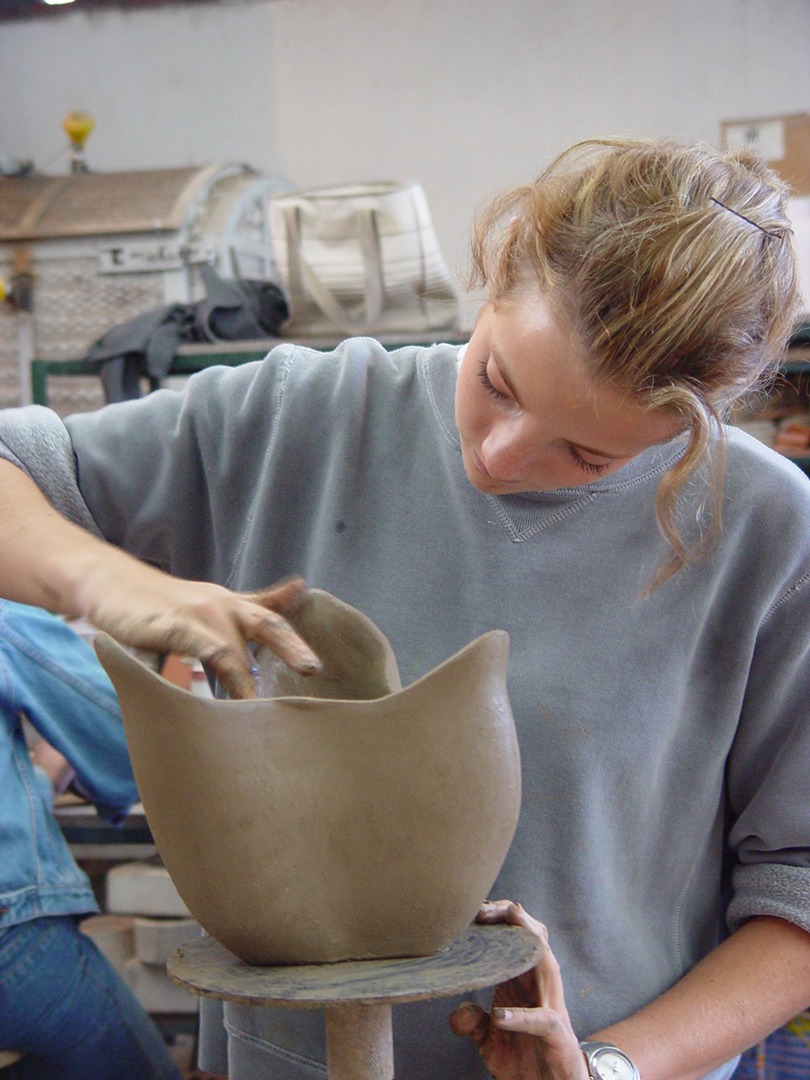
(339, 817)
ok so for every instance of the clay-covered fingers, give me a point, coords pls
(259, 617)
(268, 627)
(266, 623)
(527, 1034)
(284, 596)
(542, 1022)
(547, 974)
(471, 1021)
(507, 911)
(152, 610)
(210, 631)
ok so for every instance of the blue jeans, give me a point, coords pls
(64, 1004)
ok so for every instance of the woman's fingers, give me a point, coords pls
(285, 596)
(271, 629)
(507, 911)
(265, 623)
(231, 660)
(470, 1020)
(547, 973)
(235, 671)
(543, 1022)
(155, 611)
(528, 1032)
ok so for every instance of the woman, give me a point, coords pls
(565, 477)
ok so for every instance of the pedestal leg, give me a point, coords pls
(359, 1042)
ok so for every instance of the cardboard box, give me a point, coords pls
(783, 141)
(114, 935)
(799, 214)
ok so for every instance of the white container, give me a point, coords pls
(143, 889)
(157, 939)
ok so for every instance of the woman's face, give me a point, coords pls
(531, 417)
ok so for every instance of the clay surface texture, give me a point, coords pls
(339, 816)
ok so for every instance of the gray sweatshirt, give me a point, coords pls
(665, 741)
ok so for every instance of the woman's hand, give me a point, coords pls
(527, 1035)
(48, 561)
(151, 610)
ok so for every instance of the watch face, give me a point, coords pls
(610, 1065)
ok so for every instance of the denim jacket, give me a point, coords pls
(50, 675)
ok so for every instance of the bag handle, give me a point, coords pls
(303, 282)
(369, 237)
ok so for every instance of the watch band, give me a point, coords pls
(607, 1062)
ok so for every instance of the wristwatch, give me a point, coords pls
(608, 1062)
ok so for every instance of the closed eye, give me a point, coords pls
(588, 466)
(487, 383)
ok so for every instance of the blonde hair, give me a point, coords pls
(675, 264)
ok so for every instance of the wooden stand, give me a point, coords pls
(357, 996)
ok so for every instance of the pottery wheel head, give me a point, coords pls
(358, 661)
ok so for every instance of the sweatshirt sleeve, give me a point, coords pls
(35, 440)
(56, 681)
(769, 770)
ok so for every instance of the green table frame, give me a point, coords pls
(192, 358)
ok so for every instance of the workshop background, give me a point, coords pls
(465, 96)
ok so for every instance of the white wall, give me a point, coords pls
(464, 95)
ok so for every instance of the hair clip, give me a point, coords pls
(775, 234)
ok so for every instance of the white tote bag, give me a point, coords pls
(361, 258)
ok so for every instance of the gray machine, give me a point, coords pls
(83, 252)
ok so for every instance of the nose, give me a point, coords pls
(507, 452)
